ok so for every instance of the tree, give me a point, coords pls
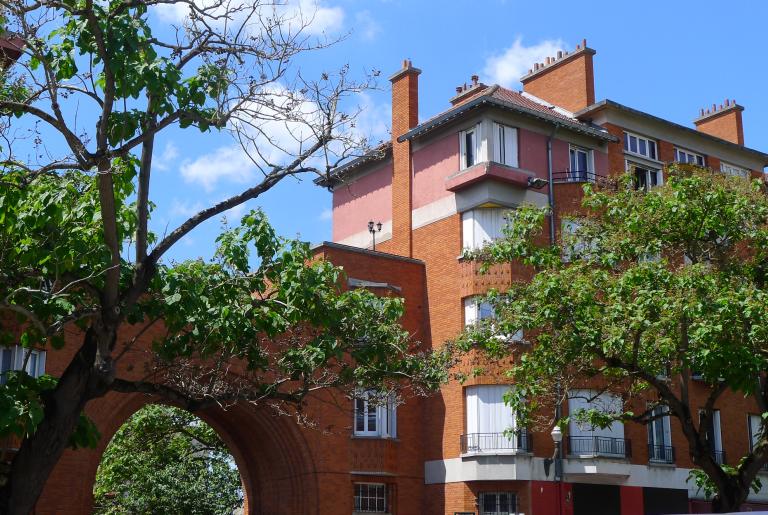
(653, 288)
(166, 460)
(94, 86)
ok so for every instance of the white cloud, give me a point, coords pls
(507, 67)
(184, 208)
(326, 214)
(373, 121)
(166, 158)
(318, 17)
(225, 163)
(366, 26)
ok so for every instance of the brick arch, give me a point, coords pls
(270, 452)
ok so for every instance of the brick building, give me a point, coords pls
(438, 187)
(443, 185)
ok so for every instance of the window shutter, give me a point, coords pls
(510, 146)
(391, 418)
(481, 145)
(498, 142)
(468, 230)
(382, 419)
(462, 150)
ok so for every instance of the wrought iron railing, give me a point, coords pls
(661, 453)
(599, 446)
(493, 442)
(577, 176)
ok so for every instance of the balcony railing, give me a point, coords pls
(719, 457)
(661, 454)
(491, 443)
(599, 446)
(577, 176)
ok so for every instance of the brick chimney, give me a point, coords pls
(465, 92)
(405, 116)
(723, 122)
(566, 80)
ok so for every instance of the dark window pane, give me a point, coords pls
(573, 159)
(700, 160)
(633, 144)
(652, 149)
(359, 416)
(489, 503)
(582, 161)
(643, 149)
(654, 177)
(641, 181)
(469, 145)
(626, 141)
(371, 417)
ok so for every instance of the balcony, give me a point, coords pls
(496, 443)
(661, 454)
(599, 446)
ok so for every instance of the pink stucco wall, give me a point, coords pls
(601, 162)
(532, 155)
(431, 165)
(367, 198)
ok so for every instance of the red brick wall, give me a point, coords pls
(569, 84)
(726, 125)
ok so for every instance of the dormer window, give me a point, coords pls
(505, 144)
(469, 143)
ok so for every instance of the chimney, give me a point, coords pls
(405, 116)
(465, 92)
(722, 122)
(566, 80)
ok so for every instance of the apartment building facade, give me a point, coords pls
(443, 185)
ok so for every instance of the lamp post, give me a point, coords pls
(557, 438)
(373, 228)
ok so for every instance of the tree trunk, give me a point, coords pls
(39, 453)
(730, 497)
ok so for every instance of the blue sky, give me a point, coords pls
(666, 58)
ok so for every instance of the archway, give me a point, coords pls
(270, 451)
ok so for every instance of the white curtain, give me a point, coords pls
(482, 225)
(505, 144)
(486, 411)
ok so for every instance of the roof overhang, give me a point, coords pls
(486, 101)
(345, 171)
(589, 112)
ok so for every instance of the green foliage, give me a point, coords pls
(705, 484)
(165, 460)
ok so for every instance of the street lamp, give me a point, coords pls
(373, 228)
(557, 438)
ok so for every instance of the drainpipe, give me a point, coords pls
(551, 186)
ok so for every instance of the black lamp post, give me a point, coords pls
(373, 228)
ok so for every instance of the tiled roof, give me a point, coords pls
(377, 153)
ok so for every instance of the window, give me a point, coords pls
(581, 164)
(470, 147)
(734, 170)
(375, 419)
(714, 436)
(371, 498)
(586, 440)
(645, 177)
(491, 426)
(498, 503)
(640, 145)
(684, 156)
(12, 358)
(574, 244)
(482, 225)
(476, 310)
(660, 437)
(505, 144)
(754, 423)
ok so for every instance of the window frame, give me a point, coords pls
(580, 174)
(498, 493)
(500, 148)
(385, 417)
(666, 432)
(638, 138)
(476, 132)
(735, 171)
(632, 166)
(473, 310)
(471, 221)
(688, 153)
(752, 435)
(16, 355)
(357, 508)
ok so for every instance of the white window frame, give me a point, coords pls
(482, 225)
(648, 141)
(476, 310)
(663, 426)
(35, 364)
(754, 423)
(358, 497)
(487, 414)
(583, 175)
(632, 166)
(688, 157)
(384, 415)
(736, 171)
(513, 502)
(505, 145)
(476, 131)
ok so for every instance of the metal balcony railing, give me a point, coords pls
(491, 443)
(577, 176)
(599, 446)
(661, 453)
